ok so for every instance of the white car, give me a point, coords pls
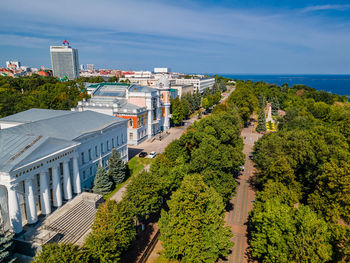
(152, 155)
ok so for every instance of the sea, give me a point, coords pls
(338, 84)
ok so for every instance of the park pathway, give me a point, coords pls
(242, 202)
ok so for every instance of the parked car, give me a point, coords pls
(242, 168)
(152, 154)
(142, 154)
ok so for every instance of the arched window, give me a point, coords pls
(130, 123)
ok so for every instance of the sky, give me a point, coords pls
(190, 36)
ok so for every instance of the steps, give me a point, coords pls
(75, 222)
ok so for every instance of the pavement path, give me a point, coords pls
(118, 196)
(242, 202)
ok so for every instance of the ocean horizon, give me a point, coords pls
(334, 83)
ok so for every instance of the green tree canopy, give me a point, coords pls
(281, 233)
(193, 228)
(143, 194)
(116, 168)
(57, 253)
(102, 182)
(112, 232)
(6, 245)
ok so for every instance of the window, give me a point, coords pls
(101, 148)
(89, 154)
(117, 140)
(96, 151)
(82, 158)
(107, 145)
(130, 123)
(90, 171)
(84, 175)
(112, 142)
(131, 136)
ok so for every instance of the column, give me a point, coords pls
(14, 210)
(67, 184)
(76, 176)
(44, 194)
(30, 201)
(56, 186)
(150, 121)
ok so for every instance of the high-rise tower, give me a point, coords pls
(64, 60)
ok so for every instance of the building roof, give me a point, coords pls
(34, 115)
(115, 89)
(136, 88)
(121, 105)
(19, 149)
(67, 127)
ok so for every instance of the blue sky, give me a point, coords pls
(221, 36)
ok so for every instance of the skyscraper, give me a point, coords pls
(64, 60)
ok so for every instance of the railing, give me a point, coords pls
(149, 248)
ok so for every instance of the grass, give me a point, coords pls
(135, 165)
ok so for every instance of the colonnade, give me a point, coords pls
(69, 187)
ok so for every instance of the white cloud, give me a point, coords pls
(325, 7)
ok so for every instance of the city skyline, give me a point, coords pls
(248, 37)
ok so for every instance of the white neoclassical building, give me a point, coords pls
(47, 157)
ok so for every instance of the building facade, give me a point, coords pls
(64, 61)
(45, 162)
(146, 109)
(199, 84)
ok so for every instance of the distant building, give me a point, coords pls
(161, 70)
(82, 67)
(64, 60)
(13, 64)
(199, 84)
(90, 67)
(47, 156)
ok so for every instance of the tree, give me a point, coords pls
(281, 233)
(144, 196)
(205, 103)
(6, 246)
(102, 183)
(113, 79)
(57, 253)
(275, 105)
(177, 111)
(116, 168)
(193, 228)
(185, 105)
(217, 97)
(332, 194)
(112, 232)
(261, 121)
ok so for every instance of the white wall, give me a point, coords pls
(117, 133)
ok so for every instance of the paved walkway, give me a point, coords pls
(242, 202)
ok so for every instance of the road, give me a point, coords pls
(242, 202)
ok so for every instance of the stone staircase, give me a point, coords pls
(75, 222)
